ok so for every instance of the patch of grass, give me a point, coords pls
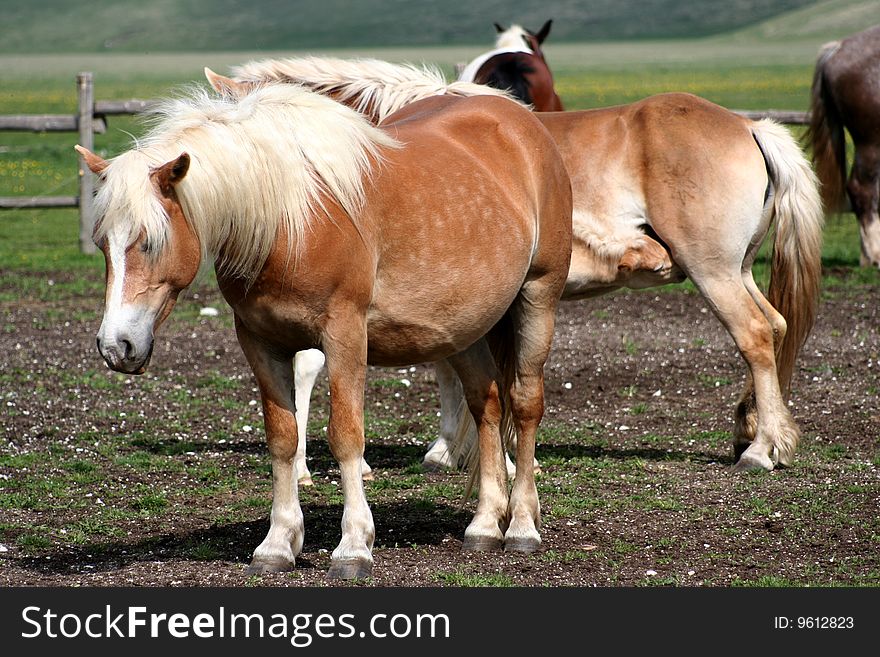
(24, 460)
(144, 461)
(767, 581)
(713, 381)
(397, 483)
(834, 452)
(203, 552)
(760, 506)
(669, 580)
(388, 384)
(150, 503)
(630, 346)
(622, 547)
(34, 541)
(638, 409)
(629, 391)
(568, 556)
(471, 580)
(217, 381)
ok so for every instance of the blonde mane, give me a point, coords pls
(372, 87)
(258, 164)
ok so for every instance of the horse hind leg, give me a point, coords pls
(864, 192)
(306, 367)
(533, 320)
(775, 432)
(644, 254)
(480, 383)
(457, 431)
(746, 415)
(444, 453)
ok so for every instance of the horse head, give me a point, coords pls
(516, 35)
(144, 275)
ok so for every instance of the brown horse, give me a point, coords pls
(517, 65)
(706, 183)
(846, 94)
(376, 245)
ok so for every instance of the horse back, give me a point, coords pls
(476, 202)
(852, 79)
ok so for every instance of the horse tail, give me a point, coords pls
(825, 134)
(502, 341)
(796, 267)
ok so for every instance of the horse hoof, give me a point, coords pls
(350, 569)
(306, 481)
(739, 449)
(368, 476)
(433, 466)
(263, 566)
(522, 544)
(481, 544)
(753, 463)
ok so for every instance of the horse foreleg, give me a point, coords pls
(479, 378)
(864, 194)
(284, 541)
(347, 367)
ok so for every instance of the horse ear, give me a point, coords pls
(498, 28)
(172, 172)
(544, 31)
(225, 86)
(95, 163)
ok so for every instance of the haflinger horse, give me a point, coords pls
(517, 65)
(666, 188)
(444, 234)
(846, 95)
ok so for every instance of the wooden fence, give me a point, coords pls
(91, 118)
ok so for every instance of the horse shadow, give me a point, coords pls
(573, 450)
(420, 522)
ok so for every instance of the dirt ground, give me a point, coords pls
(164, 479)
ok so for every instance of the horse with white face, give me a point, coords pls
(327, 232)
(517, 65)
(669, 187)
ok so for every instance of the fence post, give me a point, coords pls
(86, 109)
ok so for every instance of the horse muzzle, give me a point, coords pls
(124, 354)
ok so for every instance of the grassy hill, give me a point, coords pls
(829, 19)
(221, 25)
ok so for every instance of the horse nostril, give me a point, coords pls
(129, 349)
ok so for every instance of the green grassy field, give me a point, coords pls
(208, 434)
(757, 75)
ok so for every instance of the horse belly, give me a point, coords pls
(433, 316)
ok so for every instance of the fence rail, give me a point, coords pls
(91, 119)
(782, 116)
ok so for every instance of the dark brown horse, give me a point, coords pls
(517, 65)
(846, 94)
